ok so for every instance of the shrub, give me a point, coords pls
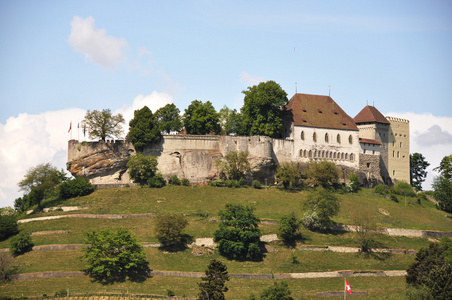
(404, 189)
(170, 293)
(21, 244)
(174, 180)
(321, 206)
(279, 290)
(7, 266)
(185, 182)
(242, 182)
(142, 168)
(288, 227)
(232, 184)
(381, 189)
(394, 198)
(157, 181)
(8, 227)
(288, 174)
(256, 184)
(79, 186)
(322, 173)
(169, 228)
(354, 183)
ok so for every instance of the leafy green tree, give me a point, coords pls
(21, 243)
(403, 188)
(288, 228)
(103, 124)
(8, 226)
(231, 121)
(278, 291)
(442, 191)
(322, 173)
(354, 182)
(201, 118)
(114, 255)
(7, 266)
(418, 165)
(432, 271)
(367, 230)
(213, 285)
(144, 129)
(76, 187)
(41, 180)
(445, 167)
(238, 235)
(23, 203)
(168, 118)
(234, 166)
(169, 228)
(263, 109)
(142, 167)
(288, 174)
(321, 205)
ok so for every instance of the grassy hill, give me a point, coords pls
(201, 204)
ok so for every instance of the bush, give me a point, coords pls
(394, 198)
(242, 182)
(232, 184)
(354, 183)
(288, 174)
(169, 228)
(279, 290)
(7, 266)
(157, 181)
(79, 186)
(8, 227)
(185, 182)
(142, 168)
(256, 184)
(21, 244)
(288, 228)
(403, 188)
(381, 189)
(322, 173)
(174, 180)
(321, 206)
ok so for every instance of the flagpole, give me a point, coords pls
(345, 293)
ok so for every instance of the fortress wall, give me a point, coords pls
(190, 142)
(77, 150)
(370, 165)
(283, 150)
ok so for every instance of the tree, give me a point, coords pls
(432, 271)
(278, 291)
(231, 121)
(112, 256)
(263, 109)
(238, 235)
(21, 243)
(213, 286)
(367, 230)
(41, 180)
(8, 226)
(442, 191)
(169, 228)
(201, 118)
(7, 266)
(321, 205)
(288, 174)
(418, 165)
(234, 166)
(322, 173)
(168, 118)
(144, 129)
(102, 124)
(354, 183)
(445, 167)
(142, 168)
(76, 187)
(288, 228)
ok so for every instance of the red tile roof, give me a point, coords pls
(319, 111)
(369, 141)
(370, 114)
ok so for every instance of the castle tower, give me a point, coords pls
(373, 125)
(399, 149)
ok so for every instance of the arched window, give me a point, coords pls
(315, 153)
(350, 139)
(314, 137)
(326, 138)
(342, 155)
(334, 155)
(304, 153)
(331, 154)
(351, 156)
(301, 152)
(310, 153)
(338, 138)
(346, 156)
(323, 154)
(302, 135)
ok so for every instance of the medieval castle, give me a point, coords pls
(315, 128)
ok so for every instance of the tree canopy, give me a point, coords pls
(277, 291)
(322, 173)
(321, 205)
(234, 166)
(263, 109)
(238, 235)
(201, 118)
(418, 165)
(142, 168)
(442, 184)
(445, 167)
(169, 228)
(41, 180)
(168, 118)
(103, 124)
(114, 255)
(288, 174)
(231, 121)
(213, 284)
(144, 129)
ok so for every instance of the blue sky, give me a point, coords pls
(61, 58)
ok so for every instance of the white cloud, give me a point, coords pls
(28, 140)
(98, 47)
(250, 80)
(154, 101)
(431, 136)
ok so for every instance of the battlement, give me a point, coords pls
(399, 120)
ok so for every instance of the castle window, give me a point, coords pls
(400, 144)
(368, 165)
(342, 155)
(302, 135)
(364, 151)
(351, 156)
(304, 153)
(338, 138)
(393, 153)
(350, 139)
(393, 143)
(310, 153)
(373, 151)
(301, 152)
(323, 154)
(397, 154)
(346, 156)
(326, 138)
(331, 154)
(314, 137)
(334, 155)
(393, 172)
